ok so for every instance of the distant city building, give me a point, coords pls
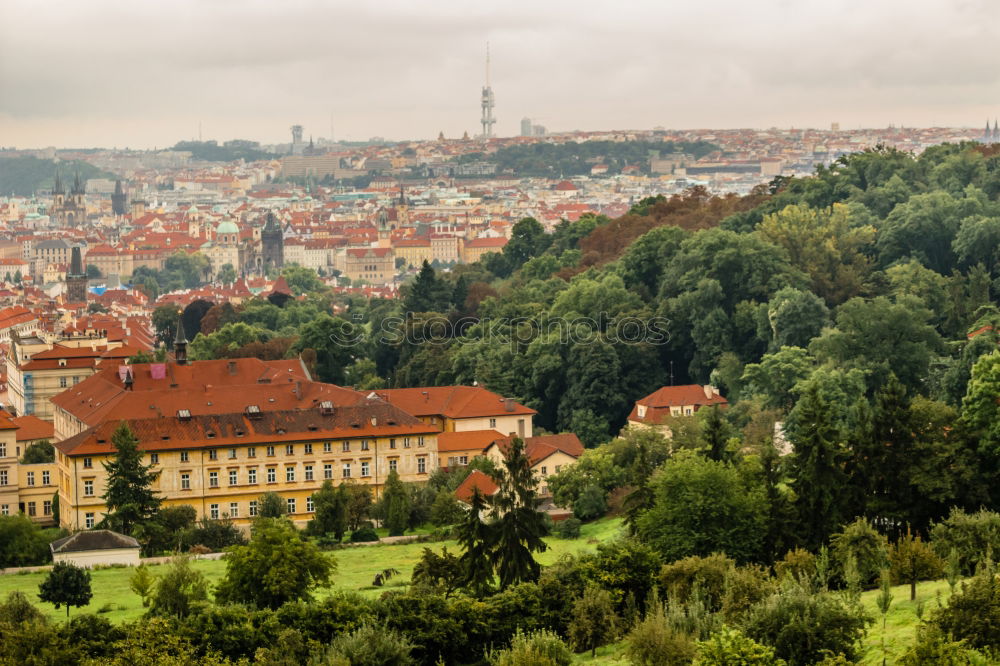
(525, 126)
(272, 243)
(488, 102)
(297, 145)
(991, 136)
(68, 211)
(119, 200)
(76, 278)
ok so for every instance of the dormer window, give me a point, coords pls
(183, 414)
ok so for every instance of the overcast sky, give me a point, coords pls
(80, 73)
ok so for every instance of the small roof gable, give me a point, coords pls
(92, 540)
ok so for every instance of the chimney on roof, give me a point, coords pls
(508, 404)
(710, 391)
(232, 367)
(128, 380)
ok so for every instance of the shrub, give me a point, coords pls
(730, 647)
(803, 628)
(799, 564)
(653, 642)
(865, 545)
(539, 648)
(364, 535)
(708, 574)
(973, 614)
(972, 535)
(591, 503)
(594, 621)
(370, 645)
(744, 588)
(934, 648)
(178, 589)
(567, 529)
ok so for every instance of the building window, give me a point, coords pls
(421, 465)
(233, 477)
(327, 471)
(310, 507)
(392, 465)
(253, 508)
(309, 472)
(270, 450)
(252, 476)
(272, 474)
(154, 458)
(213, 454)
(31, 508)
(347, 470)
(291, 505)
(234, 510)
(185, 481)
(31, 478)
(687, 412)
(213, 479)
(47, 508)
(420, 440)
(365, 466)
(545, 471)
(558, 467)
(252, 452)
(3, 450)
(289, 449)
(88, 463)
(213, 511)
(184, 456)
(46, 478)
(289, 474)
(463, 460)
(309, 449)
(364, 445)
(88, 520)
(392, 442)
(406, 442)
(88, 488)
(3, 477)
(62, 382)
(327, 447)
(232, 454)
(493, 423)
(345, 446)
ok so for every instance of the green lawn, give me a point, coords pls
(901, 621)
(356, 567)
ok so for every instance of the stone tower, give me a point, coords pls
(76, 279)
(119, 200)
(272, 243)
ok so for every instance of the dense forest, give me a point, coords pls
(25, 176)
(558, 160)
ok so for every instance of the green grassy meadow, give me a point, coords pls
(356, 566)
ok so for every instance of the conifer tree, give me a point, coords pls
(817, 471)
(519, 526)
(129, 496)
(475, 537)
(397, 505)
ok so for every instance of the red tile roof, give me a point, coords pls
(467, 440)
(476, 479)
(659, 402)
(539, 448)
(31, 427)
(454, 402)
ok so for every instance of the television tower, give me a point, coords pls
(487, 101)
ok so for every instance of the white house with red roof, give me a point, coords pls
(673, 401)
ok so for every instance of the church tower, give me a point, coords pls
(76, 279)
(272, 243)
(119, 200)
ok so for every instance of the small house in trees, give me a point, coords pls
(548, 454)
(96, 547)
(653, 410)
(476, 480)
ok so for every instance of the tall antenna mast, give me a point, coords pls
(487, 101)
(487, 64)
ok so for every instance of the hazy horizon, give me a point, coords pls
(115, 74)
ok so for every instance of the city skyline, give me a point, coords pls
(115, 74)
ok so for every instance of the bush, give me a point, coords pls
(22, 542)
(370, 645)
(178, 589)
(539, 648)
(654, 642)
(594, 621)
(708, 574)
(972, 535)
(591, 503)
(744, 588)
(567, 529)
(912, 560)
(364, 535)
(934, 648)
(803, 628)
(799, 564)
(730, 647)
(860, 541)
(973, 614)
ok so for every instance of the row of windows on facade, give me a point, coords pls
(215, 511)
(63, 381)
(46, 478)
(272, 475)
(213, 454)
(32, 508)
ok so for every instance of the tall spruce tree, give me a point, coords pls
(519, 526)
(889, 455)
(476, 537)
(129, 496)
(397, 505)
(817, 470)
(715, 436)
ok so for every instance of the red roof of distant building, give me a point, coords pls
(476, 480)
(659, 403)
(458, 402)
